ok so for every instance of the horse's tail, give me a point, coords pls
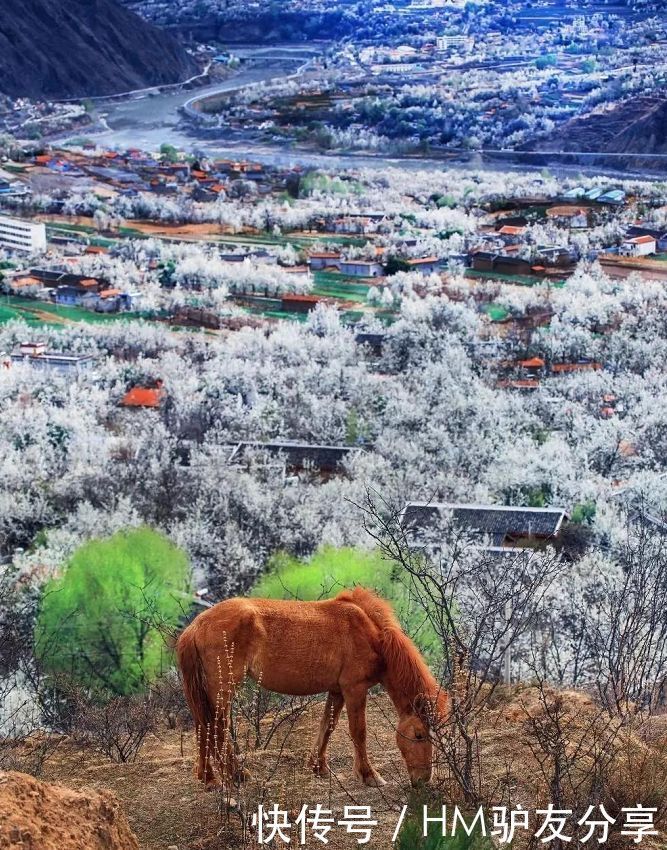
(194, 678)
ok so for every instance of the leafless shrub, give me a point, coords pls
(169, 701)
(117, 728)
(479, 604)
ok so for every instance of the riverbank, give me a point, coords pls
(147, 121)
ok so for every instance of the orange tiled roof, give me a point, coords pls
(143, 397)
(575, 367)
(520, 384)
(25, 281)
(292, 296)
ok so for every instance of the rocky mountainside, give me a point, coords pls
(636, 126)
(78, 48)
(647, 133)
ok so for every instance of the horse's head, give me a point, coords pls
(414, 735)
(414, 741)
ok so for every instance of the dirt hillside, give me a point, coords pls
(37, 816)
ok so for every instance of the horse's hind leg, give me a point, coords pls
(224, 752)
(223, 745)
(355, 703)
(318, 756)
(205, 772)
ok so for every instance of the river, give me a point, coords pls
(148, 120)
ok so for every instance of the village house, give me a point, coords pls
(374, 340)
(36, 355)
(17, 234)
(511, 233)
(424, 265)
(317, 261)
(657, 233)
(295, 456)
(361, 268)
(150, 397)
(493, 528)
(555, 255)
(488, 261)
(638, 246)
(575, 217)
(293, 302)
(24, 284)
(77, 291)
(579, 366)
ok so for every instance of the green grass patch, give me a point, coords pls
(66, 225)
(495, 312)
(347, 293)
(8, 314)
(27, 309)
(521, 279)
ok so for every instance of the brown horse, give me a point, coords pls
(342, 646)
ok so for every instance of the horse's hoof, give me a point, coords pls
(373, 780)
(321, 770)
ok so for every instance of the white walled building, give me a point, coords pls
(638, 246)
(17, 234)
(455, 42)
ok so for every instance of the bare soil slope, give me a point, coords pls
(635, 126)
(38, 816)
(166, 807)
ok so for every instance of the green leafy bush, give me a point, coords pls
(104, 622)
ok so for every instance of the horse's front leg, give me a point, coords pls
(355, 703)
(318, 756)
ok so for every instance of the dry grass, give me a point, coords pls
(167, 807)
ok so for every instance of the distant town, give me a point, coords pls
(210, 243)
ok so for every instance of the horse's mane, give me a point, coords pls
(408, 670)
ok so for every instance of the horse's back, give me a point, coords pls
(291, 646)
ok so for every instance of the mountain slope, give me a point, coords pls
(75, 48)
(637, 125)
(647, 133)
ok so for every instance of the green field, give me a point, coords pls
(9, 313)
(520, 279)
(345, 292)
(495, 312)
(35, 313)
